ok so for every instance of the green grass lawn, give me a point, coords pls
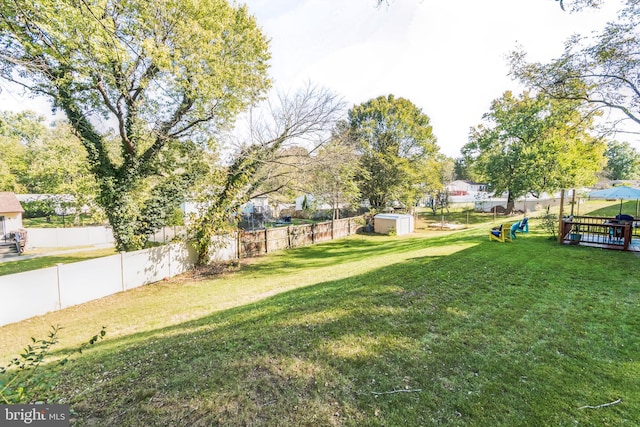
(431, 329)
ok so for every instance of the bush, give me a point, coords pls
(549, 222)
(23, 380)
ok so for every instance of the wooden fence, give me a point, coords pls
(259, 242)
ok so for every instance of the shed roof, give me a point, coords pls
(392, 216)
(9, 203)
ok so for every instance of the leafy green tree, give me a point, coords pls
(462, 171)
(396, 146)
(333, 173)
(623, 161)
(534, 144)
(161, 72)
(16, 131)
(601, 71)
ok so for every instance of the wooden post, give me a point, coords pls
(573, 200)
(266, 240)
(560, 219)
(238, 244)
(627, 235)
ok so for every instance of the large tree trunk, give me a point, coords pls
(510, 203)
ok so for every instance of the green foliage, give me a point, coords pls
(24, 380)
(332, 176)
(534, 144)
(549, 222)
(600, 70)
(163, 72)
(16, 131)
(395, 141)
(221, 204)
(45, 160)
(623, 161)
(39, 208)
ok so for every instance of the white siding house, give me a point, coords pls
(10, 214)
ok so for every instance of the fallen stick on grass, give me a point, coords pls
(415, 390)
(601, 406)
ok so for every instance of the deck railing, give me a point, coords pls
(599, 231)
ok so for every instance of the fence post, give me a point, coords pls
(266, 240)
(124, 286)
(238, 244)
(58, 280)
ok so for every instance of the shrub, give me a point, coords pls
(24, 381)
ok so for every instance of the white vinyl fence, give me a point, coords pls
(88, 236)
(68, 237)
(37, 292)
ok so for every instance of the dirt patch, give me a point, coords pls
(215, 269)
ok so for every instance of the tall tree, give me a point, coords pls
(396, 146)
(17, 130)
(623, 161)
(333, 172)
(534, 144)
(160, 72)
(306, 118)
(601, 71)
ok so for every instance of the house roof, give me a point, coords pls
(9, 202)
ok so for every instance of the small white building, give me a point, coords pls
(400, 223)
(10, 213)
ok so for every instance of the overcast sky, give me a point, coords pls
(447, 57)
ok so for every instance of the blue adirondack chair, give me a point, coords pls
(520, 227)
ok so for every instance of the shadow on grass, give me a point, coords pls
(496, 334)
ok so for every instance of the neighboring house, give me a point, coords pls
(10, 214)
(464, 188)
(313, 202)
(257, 205)
(465, 191)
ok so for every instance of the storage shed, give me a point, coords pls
(385, 223)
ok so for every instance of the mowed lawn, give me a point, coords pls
(432, 329)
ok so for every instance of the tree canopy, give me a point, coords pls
(623, 161)
(601, 71)
(532, 144)
(133, 77)
(396, 147)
